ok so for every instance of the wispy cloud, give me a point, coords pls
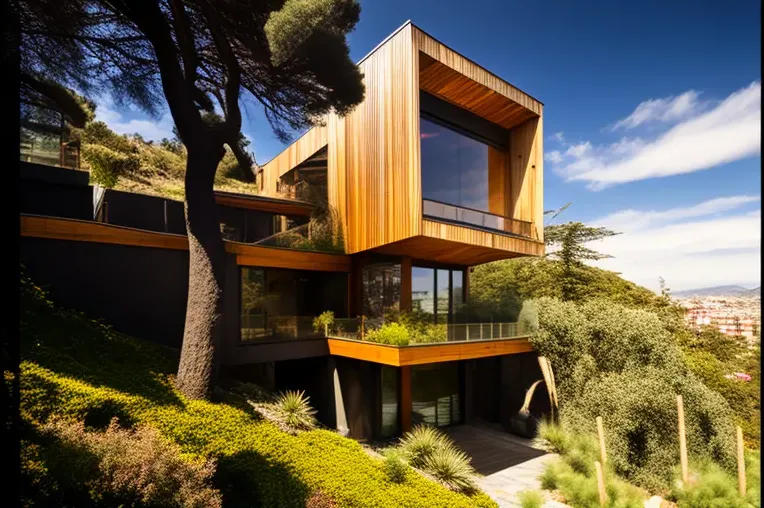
(690, 246)
(632, 220)
(729, 131)
(150, 129)
(668, 109)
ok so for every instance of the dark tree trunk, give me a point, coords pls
(203, 330)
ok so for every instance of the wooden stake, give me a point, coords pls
(682, 441)
(601, 483)
(740, 462)
(601, 434)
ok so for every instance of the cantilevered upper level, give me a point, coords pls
(442, 161)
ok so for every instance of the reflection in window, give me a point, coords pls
(252, 297)
(454, 167)
(435, 394)
(443, 295)
(278, 303)
(423, 290)
(381, 289)
(437, 292)
(389, 401)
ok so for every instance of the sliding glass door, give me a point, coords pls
(436, 293)
(436, 394)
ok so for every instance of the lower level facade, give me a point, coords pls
(136, 279)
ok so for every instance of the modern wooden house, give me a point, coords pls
(438, 170)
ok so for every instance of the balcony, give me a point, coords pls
(475, 218)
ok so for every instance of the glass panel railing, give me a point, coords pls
(256, 327)
(469, 216)
(358, 329)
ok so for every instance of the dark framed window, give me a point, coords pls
(390, 390)
(454, 166)
(437, 292)
(436, 390)
(381, 288)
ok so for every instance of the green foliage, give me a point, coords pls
(531, 499)
(119, 467)
(419, 325)
(98, 133)
(712, 486)
(324, 321)
(396, 466)
(106, 165)
(295, 409)
(395, 334)
(574, 475)
(73, 367)
(622, 364)
(420, 443)
(571, 238)
(451, 467)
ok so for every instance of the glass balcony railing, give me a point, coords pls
(471, 217)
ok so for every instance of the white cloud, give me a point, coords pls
(554, 156)
(702, 252)
(728, 132)
(632, 220)
(559, 136)
(150, 129)
(668, 109)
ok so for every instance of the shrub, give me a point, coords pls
(106, 165)
(394, 334)
(395, 465)
(420, 443)
(452, 468)
(294, 408)
(711, 487)
(71, 364)
(120, 466)
(324, 321)
(531, 499)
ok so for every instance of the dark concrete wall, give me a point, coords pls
(518, 373)
(359, 384)
(314, 377)
(482, 389)
(47, 190)
(144, 212)
(137, 290)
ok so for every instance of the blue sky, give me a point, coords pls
(651, 119)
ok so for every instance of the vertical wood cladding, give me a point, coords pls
(296, 153)
(526, 186)
(380, 141)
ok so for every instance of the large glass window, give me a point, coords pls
(278, 303)
(435, 390)
(437, 292)
(454, 167)
(381, 289)
(389, 381)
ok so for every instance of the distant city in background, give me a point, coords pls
(734, 310)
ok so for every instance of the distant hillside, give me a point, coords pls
(718, 291)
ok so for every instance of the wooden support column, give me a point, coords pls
(406, 283)
(405, 400)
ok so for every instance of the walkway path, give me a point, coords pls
(509, 464)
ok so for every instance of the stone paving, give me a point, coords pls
(509, 464)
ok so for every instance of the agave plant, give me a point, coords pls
(294, 408)
(421, 442)
(451, 467)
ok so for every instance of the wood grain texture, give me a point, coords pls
(458, 251)
(296, 153)
(498, 181)
(246, 255)
(380, 142)
(277, 206)
(461, 65)
(426, 353)
(526, 156)
(85, 231)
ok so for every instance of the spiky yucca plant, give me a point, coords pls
(451, 467)
(295, 409)
(421, 442)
